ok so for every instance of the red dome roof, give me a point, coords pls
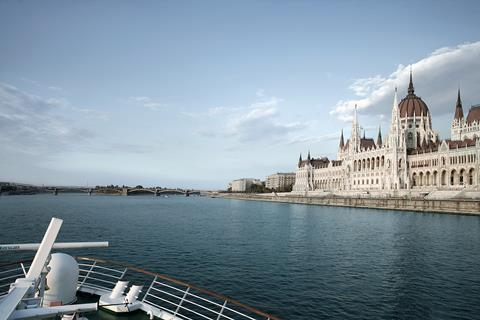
(412, 105)
(474, 114)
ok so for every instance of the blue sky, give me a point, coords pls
(197, 93)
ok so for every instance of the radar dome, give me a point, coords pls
(61, 280)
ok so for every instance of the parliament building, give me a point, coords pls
(411, 157)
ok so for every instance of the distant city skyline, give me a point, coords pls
(196, 94)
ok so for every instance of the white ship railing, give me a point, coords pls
(162, 295)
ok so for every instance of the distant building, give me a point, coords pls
(242, 185)
(412, 157)
(280, 181)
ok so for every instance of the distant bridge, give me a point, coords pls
(125, 191)
(157, 191)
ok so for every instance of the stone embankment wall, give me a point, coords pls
(455, 206)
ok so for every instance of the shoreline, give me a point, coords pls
(446, 206)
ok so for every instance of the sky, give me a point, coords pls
(195, 94)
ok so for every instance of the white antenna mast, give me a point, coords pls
(26, 287)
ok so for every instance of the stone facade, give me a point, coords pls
(280, 181)
(465, 128)
(241, 185)
(411, 158)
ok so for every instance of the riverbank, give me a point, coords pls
(450, 206)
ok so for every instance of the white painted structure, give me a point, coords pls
(44, 288)
(411, 158)
(280, 181)
(62, 280)
(242, 185)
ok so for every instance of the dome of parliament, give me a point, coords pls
(412, 105)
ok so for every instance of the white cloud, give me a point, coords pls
(260, 121)
(260, 93)
(30, 124)
(40, 85)
(318, 139)
(146, 102)
(34, 82)
(363, 87)
(55, 88)
(436, 79)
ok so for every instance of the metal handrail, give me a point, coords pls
(163, 308)
(11, 270)
(183, 283)
(186, 293)
(91, 264)
(100, 267)
(101, 280)
(100, 273)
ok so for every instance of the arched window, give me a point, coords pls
(444, 178)
(452, 177)
(410, 138)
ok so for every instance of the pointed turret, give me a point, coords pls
(458, 108)
(300, 160)
(308, 157)
(354, 143)
(395, 133)
(395, 101)
(355, 114)
(379, 137)
(342, 142)
(411, 90)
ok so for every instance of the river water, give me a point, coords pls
(294, 261)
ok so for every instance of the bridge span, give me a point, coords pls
(124, 191)
(157, 191)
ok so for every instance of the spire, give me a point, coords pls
(395, 106)
(459, 108)
(395, 126)
(395, 100)
(300, 159)
(379, 137)
(411, 90)
(308, 157)
(355, 114)
(342, 143)
(354, 143)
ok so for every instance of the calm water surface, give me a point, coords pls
(295, 261)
